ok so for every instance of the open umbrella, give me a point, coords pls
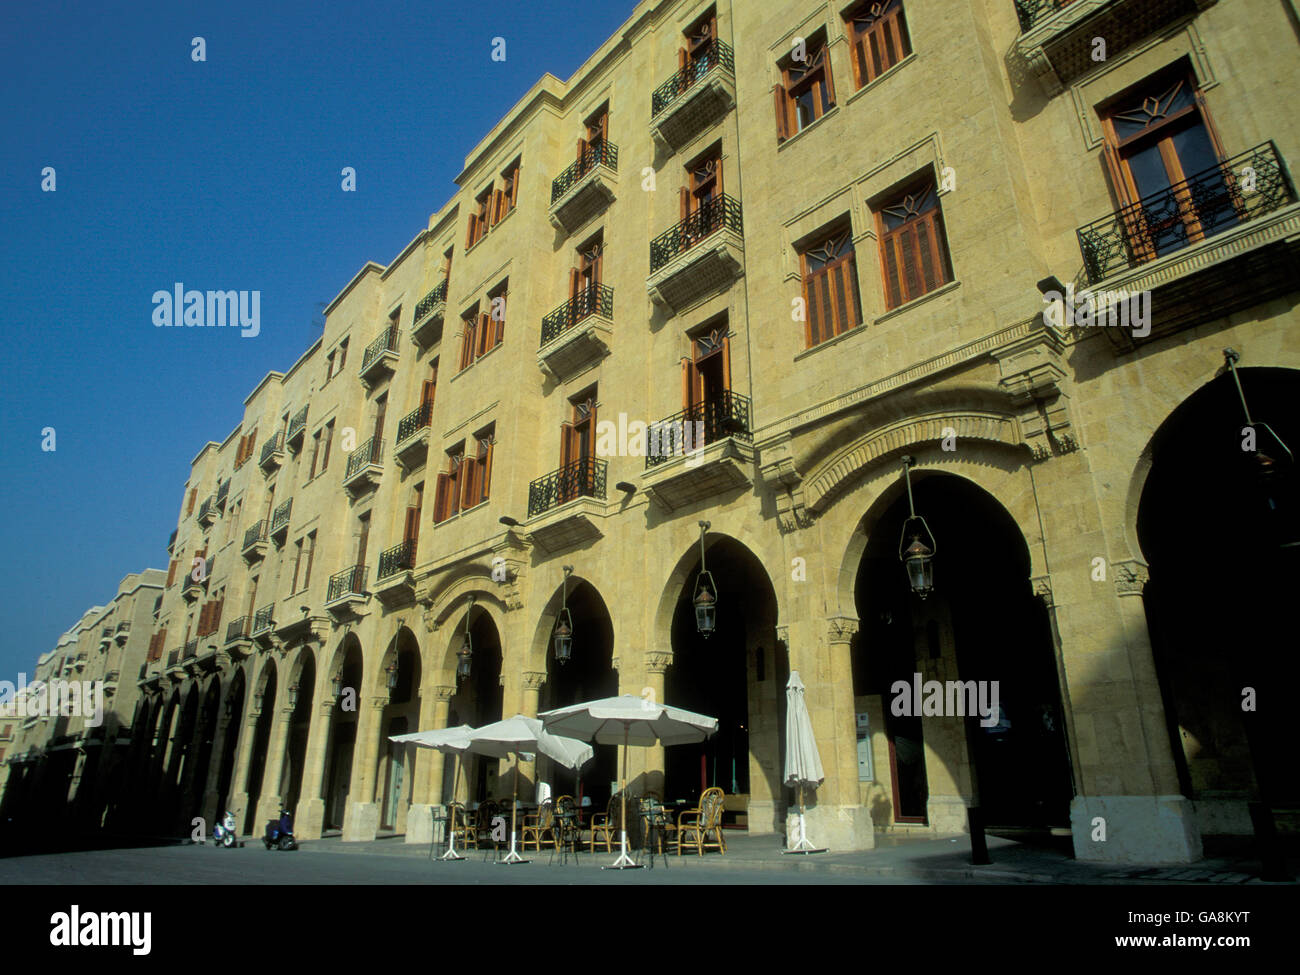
(452, 741)
(803, 765)
(631, 721)
(523, 734)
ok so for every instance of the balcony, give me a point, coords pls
(700, 452)
(208, 511)
(191, 588)
(263, 630)
(297, 430)
(173, 668)
(395, 582)
(577, 333)
(254, 546)
(239, 634)
(586, 188)
(380, 357)
(565, 505)
(695, 97)
(223, 491)
(80, 662)
(347, 592)
(272, 453)
(105, 638)
(699, 256)
(426, 326)
(413, 437)
(123, 632)
(171, 541)
(280, 522)
(191, 650)
(1056, 40)
(1218, 242)
(365, 467)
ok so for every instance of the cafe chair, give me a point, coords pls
(539, 827)
(702, 827)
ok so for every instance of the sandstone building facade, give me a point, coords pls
(795, 242)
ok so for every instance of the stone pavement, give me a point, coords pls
(944, 859)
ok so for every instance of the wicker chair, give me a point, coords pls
(458, 823)
(604, 825)
(487, 811)
(696, 826)
(567, 828)
(539, 827)
(664, 830)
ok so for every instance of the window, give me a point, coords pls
(591, 149)
(189, 508)
(878, 38)
(329, 438)
(830, 288)
(446, 500)
(395, 317)
(700, 196)
(411, 530)
(913, 251)
(246, 445)
(171, 572)
(577, 447)
(478, 470)
(297, 564)
(494, 326)
(429, 390)
(311, 554)
(381, 411)
(508, 192)
(706, 374)
(470, 322)
(363, 538)
(329, 367)
(343, 354)
(478, 218)
(315, 453)
(697, 56)
(1157, 135)
(805, 92)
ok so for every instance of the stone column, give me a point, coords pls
(361, 822)
(656, 666)
(309, 817)
(426, 784)
(530, 697)
(210, 813)
(268, 804)
(238, 801)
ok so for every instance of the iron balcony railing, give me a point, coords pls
(191, 650)
(350, 582)
(124, 626)
(583, 478)
(716, 54)
(208, 507)
(106, 633)
(596, 300)
(601, 152)
(368, 453)
(431, 301)
(272, 447)
(171, 541)
(724, 415)
(144, 669)
(1242, 188)
(239, 629)
(111, 677)
(298, 424)
(1030, 12)
(387, 342)
(223, 490)
(712, 216)
(262, 620)
(281, 517)
(173, 657)
(255, 534)
(399, 558)
(414, 422)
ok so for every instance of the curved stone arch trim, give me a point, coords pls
(837, 473)
(449, 601)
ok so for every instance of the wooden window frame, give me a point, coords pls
(311, 555)
(895, 245)
(833, 287)
(492, 332)
(468, 336)
(478, 470)
(479, 218)
(505, 198)
(329, 440)
(446, 503)
(816, 70)
(887, 30)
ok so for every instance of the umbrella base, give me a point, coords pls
(451, 855)
(512, 858)
(806, 849)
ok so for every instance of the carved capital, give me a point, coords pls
(534, 679)
(840, 629)
(783, 635)
(430, 620)
(443, 692)
(614, 663)
(501, 681)
(379, 703)
(1130, 577)
(1042, 586)
(657, 661)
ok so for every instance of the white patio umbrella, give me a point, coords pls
(523, 734)
(449, 741)
(631, 721)
(803, 765)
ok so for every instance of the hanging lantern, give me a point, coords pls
(337, 681)
(705, 599)
(466, 649)
(564, 624)
(293, 695)
(917, 557)
(391, 671)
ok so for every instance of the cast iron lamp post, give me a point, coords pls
(917, 558)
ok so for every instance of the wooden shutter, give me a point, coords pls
(427, 392)
(815, 292)
(575, 282)
(914, 258)
(826, 74)
(782, 113)
(171, 572)
(189, 508)
(686, 202)
(486, 460)
(440, 499)
(412, 527)
(217, 607)
(568, 444)
(467, 343)
(484, 333)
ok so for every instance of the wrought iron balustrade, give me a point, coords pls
(281, 517)
(414, 422)
(238, 629)
(298, 423)
(255, 534)
(106, 633)
(431, 301)
(1030, 12)
(1242, 188)
(596, 300)
(272, 447)
(173, 657)
(144, 669)
(350, 582)
(368, 453)
(263, 619)
(223, 491)
(399, 558)
(387, 342)
(715, 54)
(124, 626)
(582, 478)
(208, 507)
(721, 416)
(601, 152)
(191, 650)
(712, 216)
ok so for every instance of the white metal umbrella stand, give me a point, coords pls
(513, 857)
(452, 741)
(803, 765)
(624, 861)
(451, 853)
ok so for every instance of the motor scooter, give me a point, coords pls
(224, 833)
(279, 835)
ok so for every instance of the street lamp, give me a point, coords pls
(564, 623)
(1266, 465)
(917, 557)
(466, 648)
(337, 681)
(391, 671)
(705, 599)
(293, 695)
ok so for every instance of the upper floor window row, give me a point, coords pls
(493, 204)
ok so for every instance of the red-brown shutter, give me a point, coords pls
(782, 113)
(686, 199)
(575, 282)
(826, 73)
(440, 499)
(171, 572)
(487, 470)
(889, 245)
(568, 444)
(427, 392)
(412, 527)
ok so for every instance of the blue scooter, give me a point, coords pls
(279, 835)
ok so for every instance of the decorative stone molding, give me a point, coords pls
(1130, 577)
(615, 664)
(783, 635)
(782, 478)
(501, 680)
(534, 679)
(1042, 586)
(657, 661)
(379, 703)
(443, 692)
(840, 629)
(1033, 375)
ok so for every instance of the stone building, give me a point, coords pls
(692, 308)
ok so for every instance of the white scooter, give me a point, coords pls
(223, 834)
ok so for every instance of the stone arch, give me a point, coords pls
(539, 646)
(445, 621)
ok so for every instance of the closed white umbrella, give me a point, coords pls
(449, 741)
(803, 765)
(632, 721)
(523, 734)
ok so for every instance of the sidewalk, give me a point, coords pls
(943, 859)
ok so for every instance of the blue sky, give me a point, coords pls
(223, 174)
